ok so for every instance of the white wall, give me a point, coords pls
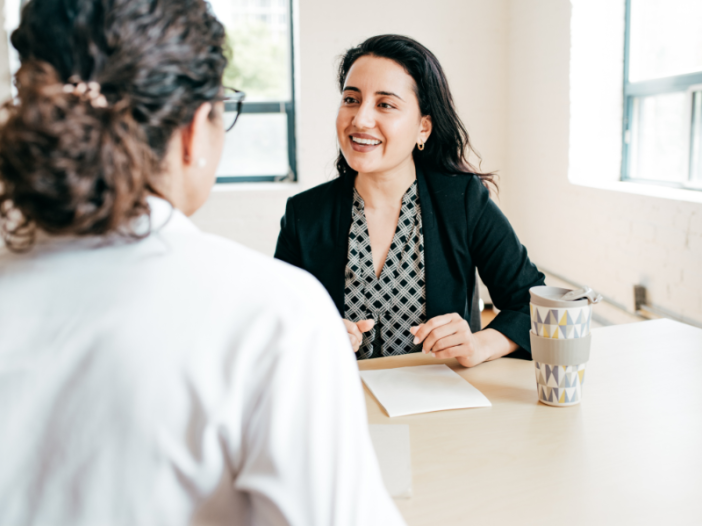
(610, 240)
(468, 37)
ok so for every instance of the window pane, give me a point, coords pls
(258, 32)
(696, 146)
(665, 38)
(257, 145)
(659, 137)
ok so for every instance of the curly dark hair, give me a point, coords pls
(71, 167)
(449, 146)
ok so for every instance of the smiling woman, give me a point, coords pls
(413, 67)
(393, 116)
(397, 238)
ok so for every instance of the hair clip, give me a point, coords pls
(86, 91)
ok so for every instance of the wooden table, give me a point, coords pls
(630, 453)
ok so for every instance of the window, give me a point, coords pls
(662, 140)
(261, 147)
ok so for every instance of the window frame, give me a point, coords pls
(282, 106)
(688, 83)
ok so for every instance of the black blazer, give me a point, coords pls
(463, 229)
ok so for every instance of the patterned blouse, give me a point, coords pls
(396, 300)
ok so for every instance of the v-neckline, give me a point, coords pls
(440, 284)
(395, 238)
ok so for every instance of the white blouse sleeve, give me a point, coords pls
(307, 458)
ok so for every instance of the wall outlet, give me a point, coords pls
(640, 297)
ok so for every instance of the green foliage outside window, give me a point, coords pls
(257, 63)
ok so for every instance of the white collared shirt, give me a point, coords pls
(181, 379)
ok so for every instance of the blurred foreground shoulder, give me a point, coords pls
(272, 280)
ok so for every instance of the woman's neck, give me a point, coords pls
(386, 189)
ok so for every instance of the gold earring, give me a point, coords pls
(420, 146)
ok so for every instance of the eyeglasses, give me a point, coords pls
(233, 100)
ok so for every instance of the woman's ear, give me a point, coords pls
(425, 127)
(195, 136)
(201, 143)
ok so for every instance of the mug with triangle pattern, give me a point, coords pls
(552, 317)
(560, 368)
(560, 344)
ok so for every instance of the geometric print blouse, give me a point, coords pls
(397, 299)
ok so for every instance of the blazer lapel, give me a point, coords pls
(445, 285)
(341, 224)
(434, 262)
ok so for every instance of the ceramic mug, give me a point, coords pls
(560, 368)
(555, 318)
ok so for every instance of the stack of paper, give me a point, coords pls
(422, 389)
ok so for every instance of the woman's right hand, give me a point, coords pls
(356, 331)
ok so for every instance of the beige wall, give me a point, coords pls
(610, 240)
(468, 37)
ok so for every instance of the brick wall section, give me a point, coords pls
(610, 240)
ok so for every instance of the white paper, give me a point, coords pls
(392, 447)
(422, 389)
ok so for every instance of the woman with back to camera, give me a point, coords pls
(151, 374)
(396, 239)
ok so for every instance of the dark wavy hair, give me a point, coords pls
(70, 167)
(448, 147)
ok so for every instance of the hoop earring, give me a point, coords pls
(420, 146)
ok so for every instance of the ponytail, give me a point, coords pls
(67, 164)
(100, 94)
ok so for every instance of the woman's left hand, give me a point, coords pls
(449, 336)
